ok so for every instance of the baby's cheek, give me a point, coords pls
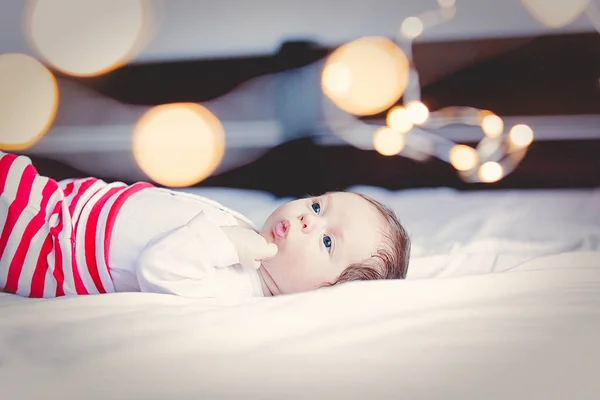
(288, 266)
(281, 262)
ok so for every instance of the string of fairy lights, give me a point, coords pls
(180, 144)
(369, 75)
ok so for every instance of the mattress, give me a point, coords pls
(502, 300)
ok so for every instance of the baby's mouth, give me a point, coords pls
(281, 229)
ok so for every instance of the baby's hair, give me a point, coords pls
(391, 260)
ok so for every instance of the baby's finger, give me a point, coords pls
(268, 251)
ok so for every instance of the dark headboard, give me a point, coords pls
(301, 167)
(550, 75)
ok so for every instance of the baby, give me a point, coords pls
(86, 236)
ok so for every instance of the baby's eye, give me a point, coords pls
(316, 208)
(327, 242)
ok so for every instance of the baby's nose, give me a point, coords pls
(307, 222)
(303, 221)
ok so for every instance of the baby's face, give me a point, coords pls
(318, 238)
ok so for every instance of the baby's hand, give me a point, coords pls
(251, 247)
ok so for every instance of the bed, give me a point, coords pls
(502, 301)
(502, 298)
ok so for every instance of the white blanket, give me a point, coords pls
(530, 331)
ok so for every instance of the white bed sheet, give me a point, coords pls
(531, 329)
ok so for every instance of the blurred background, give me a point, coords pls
(299, 97)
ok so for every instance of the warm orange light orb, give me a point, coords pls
(491, 124)
(366, 76)
(28, 101)
(412, 27)
(490, 172)
(521, 135)
(388, 142)
(87, 37)
(178, 144)
(417, 112)
(463, 158)
(399, 120)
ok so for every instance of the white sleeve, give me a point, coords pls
(182, 261)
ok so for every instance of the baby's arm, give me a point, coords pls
(180, 261)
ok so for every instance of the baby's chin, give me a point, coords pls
(269, 273)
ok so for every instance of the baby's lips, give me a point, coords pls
(281, 229)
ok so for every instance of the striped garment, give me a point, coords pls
(56, 235)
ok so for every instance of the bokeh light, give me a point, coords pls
(399, 120)
(463, 158)
(388, 142)
(338, 78)
(417, 112)
(178, 144)
(491, 124)
(490, 172)
(446, 3)
(521, 135)
(28, 101)
(556, 13)
(366, 76)
(412, 27)
(87, 37)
